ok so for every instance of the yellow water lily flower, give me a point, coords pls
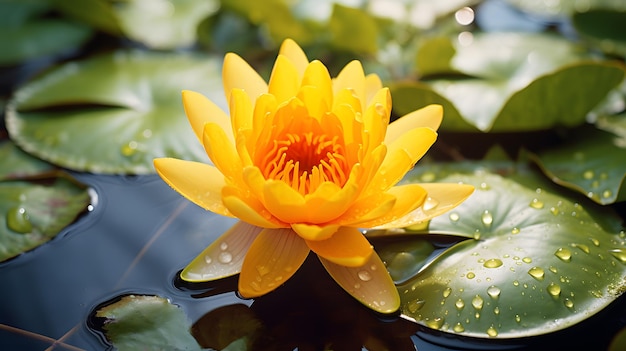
(305, 162)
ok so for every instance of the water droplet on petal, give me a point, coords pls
(225, 257)
(429, 204)
(223, 246)
(262, 270)
(208, 259)
(364, 275)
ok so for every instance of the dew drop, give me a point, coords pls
(447, 292)
(477, 302)
(536, 204)
(458, 327)
(129, 149)
(459, 304)
(568, 303)
(492, 263)
(518, 318)
(430, 204)
(223, 246)
(434, 323)
(496, 310)
(484, 186)
(588, 174)
(515, 231)
(208, 259)
(454, 217)
(18, 221)
(620, 254)
(554, 289)
(527, 260)
(364, 275)
(494, 291)
(563, 254)
(262, 270)
(607, 194)
(487, 218)
(470, 275)
(225, 257)
(584, 248)
(415, 305)
(555, 211)
(537, 273)
(492, 332)
(380, 109)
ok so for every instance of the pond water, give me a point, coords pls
(140, 234)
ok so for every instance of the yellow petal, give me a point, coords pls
(376, 116)
(224, 257)
(200, 110)
(283, 201)
(238, 74)
(352, 77)
(316, 104)
(247, 208)
(370, 284)
(408, 198)
(346, 247)
(275, 255)
(442, 198)
(200, 183)
(429, 116)
(294, 53)
(240, 110)
(368, 208)
(316, 74)
(402, 155)
(314, 232)
(284, 80)
(372, 85)
(222, 152)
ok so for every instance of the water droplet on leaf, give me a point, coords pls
(18, 220)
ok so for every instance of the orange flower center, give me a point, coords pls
(304, 156)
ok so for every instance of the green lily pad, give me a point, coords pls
(590, 161)
(25, 32)
(520, 82)
(603, 28)
(34, 212)
(540, 261)
(158, 24)
(113, 113)
(353, 30)
(139, 322)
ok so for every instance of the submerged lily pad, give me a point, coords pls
(511, 82)
(139, 322)
(540, 261)
(591, 162)
(113, 113)
(31, 213)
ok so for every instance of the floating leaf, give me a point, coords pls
(133, 114)
(589, 161)
(521, 82)
(26, 34)
(33, 213)
(604, 28)
(540, 261)
(159, 24)
(353, 30)
(146, 323)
